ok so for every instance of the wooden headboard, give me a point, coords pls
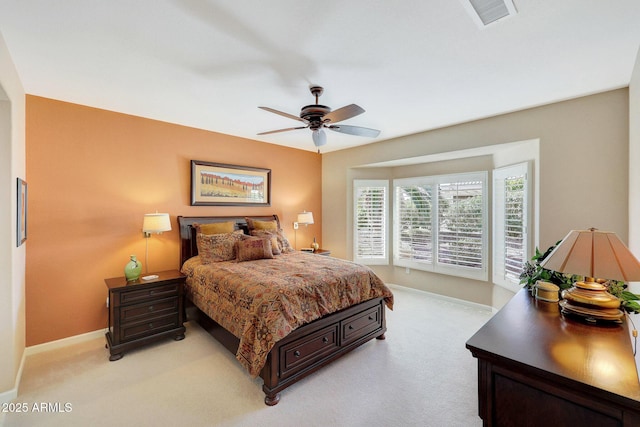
(188, 246)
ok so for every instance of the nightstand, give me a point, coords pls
(144, 311)
(324, 252)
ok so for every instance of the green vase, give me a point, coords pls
(132, 269)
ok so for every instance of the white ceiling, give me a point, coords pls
(413, 65)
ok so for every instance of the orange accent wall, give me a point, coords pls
(93, 174)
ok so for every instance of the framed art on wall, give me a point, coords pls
(218, 184)
(22, 212)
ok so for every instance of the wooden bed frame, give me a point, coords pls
(309, 347)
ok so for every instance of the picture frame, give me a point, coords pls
(219, 184)
(22, 213)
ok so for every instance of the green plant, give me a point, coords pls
(533, 271)
(628, 299)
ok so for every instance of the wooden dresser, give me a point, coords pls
(538, 368)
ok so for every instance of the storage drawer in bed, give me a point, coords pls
(148, 310)
(307, 350)
(144, 294)
(361, 324)
(148, 327)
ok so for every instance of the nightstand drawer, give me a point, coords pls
(149, 310)
(145, 294)
(361, 324)
(148, 327)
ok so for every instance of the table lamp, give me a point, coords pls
(593, 254)
(154, 223)
(305, 218)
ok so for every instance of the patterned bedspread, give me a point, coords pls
(262, 301)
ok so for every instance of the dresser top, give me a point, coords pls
(534, 335)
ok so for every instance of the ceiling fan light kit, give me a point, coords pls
(319, 137)
(318, 117)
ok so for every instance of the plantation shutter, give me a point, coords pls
(510, 238)
(370, 221)
(460, 224)
(413, 232)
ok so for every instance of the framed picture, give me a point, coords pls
(217, 184)
(22, 212)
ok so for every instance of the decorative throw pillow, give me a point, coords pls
(275, 244)
(215, 227)
(255, 224)
(251, 249)
(284, 242)
(217, 247)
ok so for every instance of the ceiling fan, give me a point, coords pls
(317, 117)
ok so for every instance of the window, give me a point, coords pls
(510, 224)
(461, 223)
(413, 222)
(440, 224)
(370, 221)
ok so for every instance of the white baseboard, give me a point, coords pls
(446, 298)
(52, 345)
(9, 395)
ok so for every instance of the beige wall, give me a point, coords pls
(93, 174)
(12, 258)
(581, 172)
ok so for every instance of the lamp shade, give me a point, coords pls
(305, 218)
(156, 223)
(594, 253)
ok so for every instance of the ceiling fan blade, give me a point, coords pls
(291, 116)
(343, 113)
(282, 130)
(355, 130)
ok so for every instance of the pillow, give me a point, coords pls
(251, 249)
(255, 224)
(216, 227)
(276, 249)
(284, 242)
(217, 247)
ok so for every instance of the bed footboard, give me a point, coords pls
(311, 346)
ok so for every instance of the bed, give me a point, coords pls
(284, 316)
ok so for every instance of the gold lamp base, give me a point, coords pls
(591, 301)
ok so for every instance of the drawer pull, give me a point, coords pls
(151, 292)
(350, 327)
(325, 340)
(296, 353)
(150, 325)
(370, 317)
(150, 308)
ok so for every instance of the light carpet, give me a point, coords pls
(421, 375)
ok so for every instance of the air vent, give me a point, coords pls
(485, 12)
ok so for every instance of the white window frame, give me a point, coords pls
(500, 276)
(433, 181)
(383, 259)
